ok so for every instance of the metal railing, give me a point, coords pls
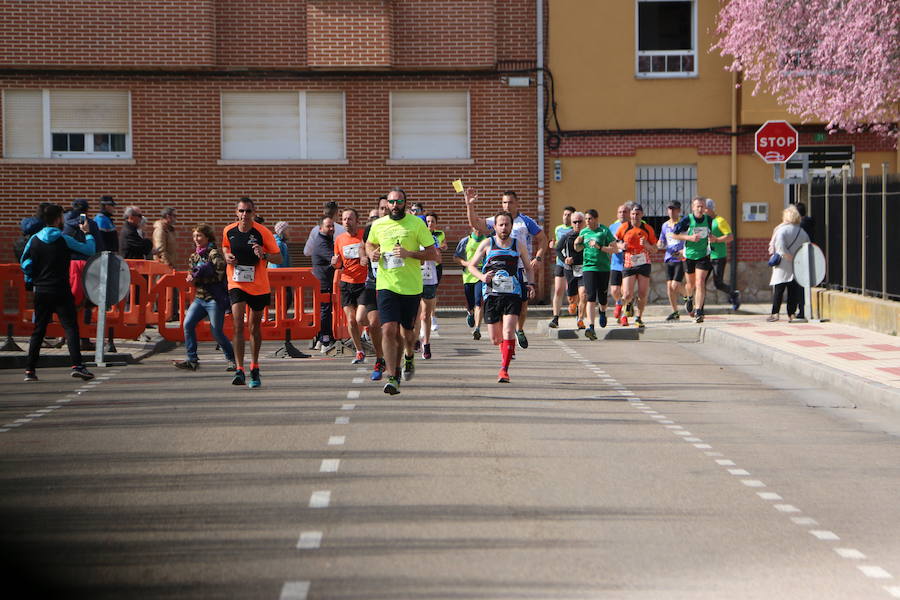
(861, 233)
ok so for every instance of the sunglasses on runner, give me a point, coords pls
(245, 210)
(398, 201)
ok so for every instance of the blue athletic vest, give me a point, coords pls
(505, 264)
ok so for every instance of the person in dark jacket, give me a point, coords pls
(72, 228)
(132, 243)
(104, 221)
(322, 254)
(29, 227)
(45, 262)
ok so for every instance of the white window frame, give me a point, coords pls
(659, 204)
(467, 160)
(88, 152)
(639, 53)
(302, 131)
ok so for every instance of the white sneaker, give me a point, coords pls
(434, 324)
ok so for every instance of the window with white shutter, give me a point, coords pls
(67, 124)
(429, 125)
(282, 126)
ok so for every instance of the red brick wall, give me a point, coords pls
(753, 249)
(107, 33)
(331, 26)
(261, 34)
(176, 140)
(442, 33)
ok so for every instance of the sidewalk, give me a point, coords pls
(863, 364)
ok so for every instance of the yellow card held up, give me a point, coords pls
(458, 186)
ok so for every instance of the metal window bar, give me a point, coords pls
(656, 186)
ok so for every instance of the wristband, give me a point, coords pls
(536, 257)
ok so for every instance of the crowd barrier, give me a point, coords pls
(153, 288)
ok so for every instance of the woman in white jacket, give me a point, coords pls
(786, 240)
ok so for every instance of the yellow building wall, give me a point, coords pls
(592, 57)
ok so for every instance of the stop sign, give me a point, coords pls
(776, 141)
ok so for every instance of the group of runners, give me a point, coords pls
(389, 272)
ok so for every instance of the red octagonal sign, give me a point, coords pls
(776, 141)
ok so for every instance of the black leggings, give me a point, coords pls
(63, 304)
(718, 276)
(794, 298)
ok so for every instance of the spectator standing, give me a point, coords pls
(72, 228)
(29, 227)
(281, 238)
(45, 262)
(164, 238)
(323, 261)
(787, 239)
(132, 242)
(104, 221)
(331, 210)
(807, 223)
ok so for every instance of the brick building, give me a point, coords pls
(193, 104)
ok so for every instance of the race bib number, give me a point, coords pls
(429, 273)
(638, 260)
(703, 232)
(243, 274)
(577, 270)
(351, 251)
(503, 283)
(392, 261)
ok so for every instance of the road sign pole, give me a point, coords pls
(101, 310)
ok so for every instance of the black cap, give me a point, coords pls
(674, 204)
(107, 200)
(80, 204)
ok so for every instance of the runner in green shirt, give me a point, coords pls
(395, 242)
(721, 233)
(560, 283)
(598, 244)
(696, 231)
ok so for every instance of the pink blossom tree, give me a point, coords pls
(836, 61)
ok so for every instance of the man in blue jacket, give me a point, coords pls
(45, 262)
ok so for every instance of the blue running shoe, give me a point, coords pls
(255, 381)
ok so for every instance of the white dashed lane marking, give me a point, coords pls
(320, 499)
(294, 590)
(309, 540)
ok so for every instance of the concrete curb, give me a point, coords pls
(859, 391)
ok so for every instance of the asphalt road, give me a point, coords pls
(612, 469)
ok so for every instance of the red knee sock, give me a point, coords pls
(507, 349)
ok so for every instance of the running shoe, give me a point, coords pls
(360, 358)
(418, 346)
(392, 386)
(378, 369)
(503, 376)
(689, 304)
(699, 318)
(470, 319)
(187, 365)
(426, 351)
(255, 381)
(617, 311)
(434, 324)
(554, 322)
(623, 321)
(239, 378)
(409, 368)
(601, 318)
(30, 376)
(476, 334)
(520, 337)
(328, 346)
(639, 322)
(590, 334)
(629, 309)
(673, 317)
(81, 372)
(232, 366)
(580, 324)
(735, 300)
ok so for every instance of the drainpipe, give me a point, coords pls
(539, 10)
(735, 216)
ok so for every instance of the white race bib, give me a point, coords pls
(351, 251)
(429, 273)
(391, 261)
(503, 283)
(638, 260)
(703, 232)
(577, 270)
(243, 274)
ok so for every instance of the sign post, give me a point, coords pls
(809, 271)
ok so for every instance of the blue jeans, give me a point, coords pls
(195, 313)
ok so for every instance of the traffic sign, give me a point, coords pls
(809, 265)
(114, 276)
(776, 141)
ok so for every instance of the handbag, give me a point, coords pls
(775, 259)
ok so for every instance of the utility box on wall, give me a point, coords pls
(755, 212)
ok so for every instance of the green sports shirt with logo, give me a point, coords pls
(594, 258)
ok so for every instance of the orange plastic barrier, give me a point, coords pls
(304, 323)
(339, 328)
(150, 271)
